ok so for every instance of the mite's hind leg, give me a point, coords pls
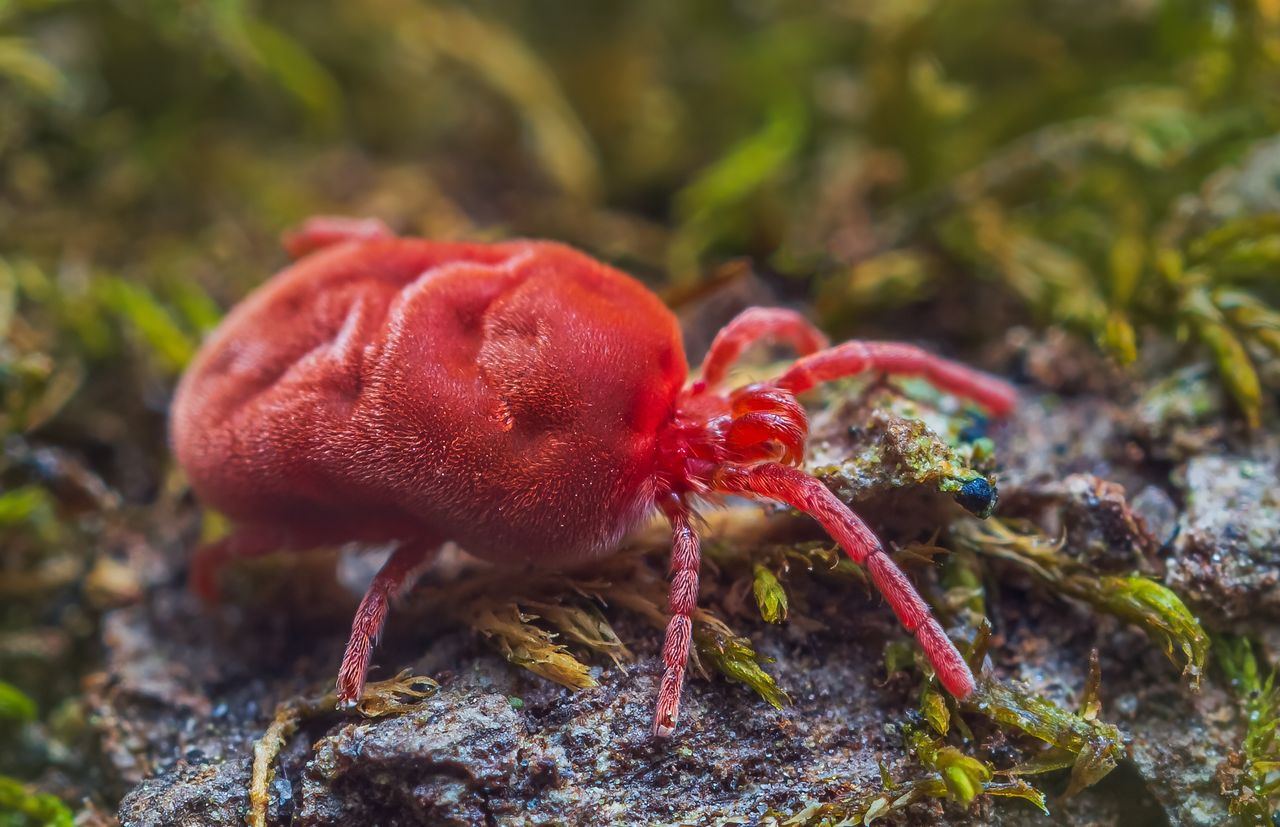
(323, 231)
(211, 558)
(395, 577)
(250, 540)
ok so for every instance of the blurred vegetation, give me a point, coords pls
(1249, 777)
(1111, 169)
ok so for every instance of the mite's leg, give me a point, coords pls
(206, 564)
(394, 578)
(803, 492)
(209, 559)
(851, 358)
(322, 231)
(248, 540)
(751, 326)
(683, 603)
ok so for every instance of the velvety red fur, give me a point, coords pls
(521, 399)
(505, 396)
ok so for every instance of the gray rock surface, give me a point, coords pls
(184, 693)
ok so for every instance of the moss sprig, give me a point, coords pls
(1250, 778)
(1151, 606)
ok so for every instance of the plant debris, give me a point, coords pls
(1136, 599)
(380, 699)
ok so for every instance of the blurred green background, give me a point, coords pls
(906, 167)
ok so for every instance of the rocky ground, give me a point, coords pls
(1152, 485)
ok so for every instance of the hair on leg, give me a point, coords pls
(683, 603)
(803, 492)
(396, 576)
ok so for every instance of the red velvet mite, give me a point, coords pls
(520, 399)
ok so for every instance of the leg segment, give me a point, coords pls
(683, 603)
(851, 358)
(206, 564)
(248, 540)
(751, 326)
(324, 230)
(211, 558)
(395, 577)
(801, 491)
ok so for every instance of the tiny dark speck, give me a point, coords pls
(978, 497)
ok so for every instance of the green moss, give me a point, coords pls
(771, 597)
(28, 505)
(15, 706)
(1154, 608)
(893, 448)
(143, 316)
(1119, 183)
(543, 622)
(948, 773)
(734, 658)
(1136, 599)
(1227, 349)
(1188, 396)
(21, 807)
(1089, 747)
(1251, 778)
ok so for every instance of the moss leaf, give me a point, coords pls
(771, 597)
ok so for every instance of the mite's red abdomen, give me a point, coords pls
(504, 396)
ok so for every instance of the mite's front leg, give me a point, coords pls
(758, 324)
(896, 359)
(805, 493)
(685, 553)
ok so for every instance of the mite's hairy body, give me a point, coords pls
(404, 388)
(520, 399)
